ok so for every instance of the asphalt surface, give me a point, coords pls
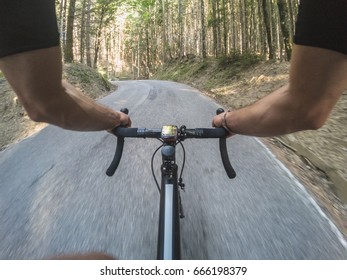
(56, 199)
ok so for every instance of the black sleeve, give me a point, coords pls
(322, 24)
(27, 25)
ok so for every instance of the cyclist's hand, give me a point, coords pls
(124, 120)
(217, 120)
(220, 121)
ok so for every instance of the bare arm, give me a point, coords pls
(317, 79)
(36, 77)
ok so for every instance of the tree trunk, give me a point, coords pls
(98, 37)
(275, 30)
(83, 31)
(225, 29)
(214, 28)
(148, 56)
(203, 29)
(291, 16)
(243, 25)
(284, 23)
(233, 25)
(68, 52)
(267, 22)
(62, 20)
(164, 31)
(253, 29)
(88, 31)
(181, 28)
(246, 25)
(262, 32)
(218, 25)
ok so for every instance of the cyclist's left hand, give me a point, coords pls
(125, 120)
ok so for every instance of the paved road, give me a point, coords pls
(55, 197)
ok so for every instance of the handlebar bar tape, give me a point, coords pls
(225, 158)
(211, 132)
(125, 132)
(117, 156)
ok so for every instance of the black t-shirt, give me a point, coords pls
(323, 24)
(27, 25)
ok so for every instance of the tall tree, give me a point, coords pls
(203, 29)
(225, 30)
(83, 31)
(233, 25)
(88, 31)
(267, 22)
(284, 23)
(68, 50)
(262, 30)
(164, 27)
(181, 27)
(213, 22)
(62, 20)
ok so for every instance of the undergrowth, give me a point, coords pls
(210, 71)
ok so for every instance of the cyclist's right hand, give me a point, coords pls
(220, 121)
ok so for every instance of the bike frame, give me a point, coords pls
(169, 245)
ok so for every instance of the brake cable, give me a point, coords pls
(180, 180)
(152, 168)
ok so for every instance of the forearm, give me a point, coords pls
(317, 79)
(36, 77)
(75, 111)
(276, 114)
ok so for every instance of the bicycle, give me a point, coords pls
(170, 207)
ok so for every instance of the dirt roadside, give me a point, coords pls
(317, 158)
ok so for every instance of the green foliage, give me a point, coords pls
(105, 10)
(238, 59)
(208, 73)
(140, 11)
(86, 78)
(181, 70)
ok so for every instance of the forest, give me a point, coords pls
(138, 36)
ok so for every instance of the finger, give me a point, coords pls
(129, 123)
